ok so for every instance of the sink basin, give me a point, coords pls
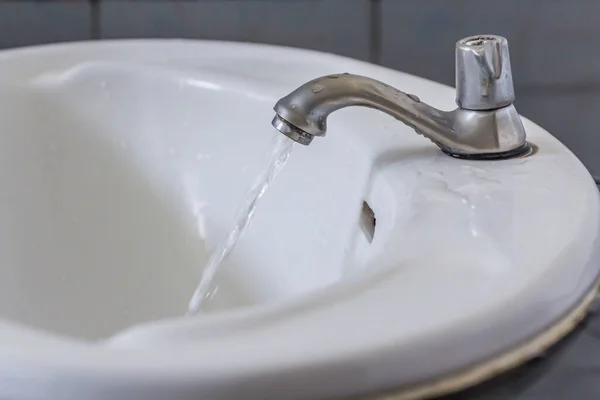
(375, 262)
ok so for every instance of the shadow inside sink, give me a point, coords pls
(89, 242)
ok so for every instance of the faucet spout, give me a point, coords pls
(491, 128)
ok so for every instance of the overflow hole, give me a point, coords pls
(367, 221)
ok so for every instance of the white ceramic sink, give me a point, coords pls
(122, 165)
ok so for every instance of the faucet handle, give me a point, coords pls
(483, 74)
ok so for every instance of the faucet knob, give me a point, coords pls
(483, 74)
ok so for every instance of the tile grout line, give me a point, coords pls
(95, 32)
(375, 31)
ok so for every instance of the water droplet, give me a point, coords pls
(413, 98)
(317, 88)
(293, 106)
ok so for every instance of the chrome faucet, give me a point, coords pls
(485, 125)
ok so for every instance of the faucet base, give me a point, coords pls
(523, 151)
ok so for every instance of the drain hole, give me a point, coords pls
(367, 221)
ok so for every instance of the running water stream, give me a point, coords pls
(278, 157)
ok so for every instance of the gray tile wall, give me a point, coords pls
(24, 23)
(553, 43)
(275, 22)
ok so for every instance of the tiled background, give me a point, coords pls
(556, 59)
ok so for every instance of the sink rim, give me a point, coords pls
(96, 365)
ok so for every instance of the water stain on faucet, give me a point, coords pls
(413, 97)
